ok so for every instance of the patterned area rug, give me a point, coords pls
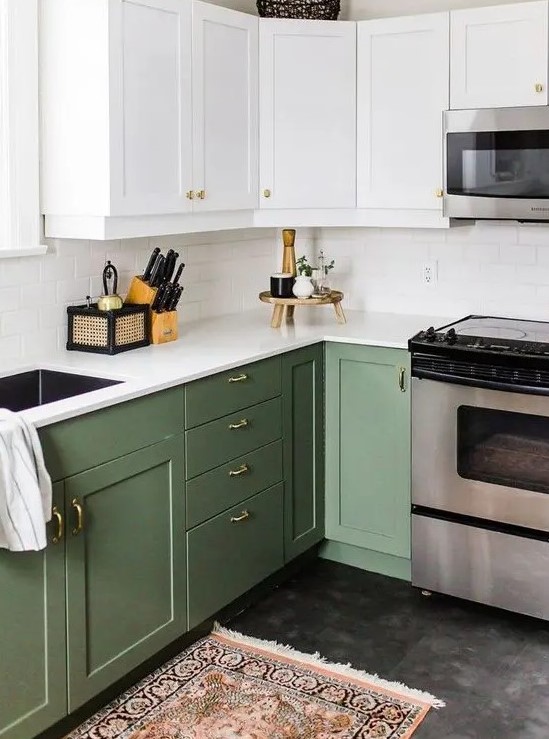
(228, 686)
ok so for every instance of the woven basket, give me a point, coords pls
(326, 10)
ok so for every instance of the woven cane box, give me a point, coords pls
(108, 332)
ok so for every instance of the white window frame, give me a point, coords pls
(20, 221)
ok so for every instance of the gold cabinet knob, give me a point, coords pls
(266, 193)
(201, 194)
(538, 87)
(190, 194)
(439, 192)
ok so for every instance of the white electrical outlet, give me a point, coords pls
(429, 272)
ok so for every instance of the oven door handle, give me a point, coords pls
(507, 387)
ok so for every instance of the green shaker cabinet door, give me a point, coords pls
(303, 420)
(368, 448)
(33, 688)
(126, 566)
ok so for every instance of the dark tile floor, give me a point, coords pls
(491, 667)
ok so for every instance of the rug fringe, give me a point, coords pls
(317, 659)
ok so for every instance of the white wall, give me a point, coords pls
(488, 268)
(224, 274)
(364, 9)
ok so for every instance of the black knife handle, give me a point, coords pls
(159, 297)
(171, 266)
(176, 297)
(178, 273)
(166, 297)
(158, 271)
(150, 264)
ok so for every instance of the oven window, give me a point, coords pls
(503, 448)
(503, 164)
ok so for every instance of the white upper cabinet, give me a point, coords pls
(116, 106)
(499, 56)
(307, 114)
(402, 92)
(225, 108)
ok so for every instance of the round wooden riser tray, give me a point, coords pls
(285, 306)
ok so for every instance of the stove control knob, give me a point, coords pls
(450, 337)
(430, 334)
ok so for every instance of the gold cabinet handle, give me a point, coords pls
(243, 516)
(60, 525)
(240, 425)
(79, 516)
(201, 194)
(238, 378)
(402, 379)
(190, 194)
(240, 471)
(439, 192)
(538, 87)
(266, 193)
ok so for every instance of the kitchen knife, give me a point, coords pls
(178, 273)
(166, 298)
(150, 265)
(176, 297)
(158, 271)
(159, 297)
(170, 266)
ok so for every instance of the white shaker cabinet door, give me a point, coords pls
(499, 56)
(225, 103)
(307, 114)
(402, 92)
(150, 104)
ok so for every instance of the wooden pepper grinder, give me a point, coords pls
(288, 262)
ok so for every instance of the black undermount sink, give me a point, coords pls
(38, 387)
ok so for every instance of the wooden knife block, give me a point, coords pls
(163, 325)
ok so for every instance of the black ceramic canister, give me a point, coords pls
(281, 285)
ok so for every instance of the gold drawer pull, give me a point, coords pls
(60, 525)
(240, 471)
(238, 378)
(243, 516)
(240, 425)
(79, 517)
(402, 379)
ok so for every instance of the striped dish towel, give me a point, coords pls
(25, 486)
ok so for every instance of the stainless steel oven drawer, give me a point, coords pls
(481, 565)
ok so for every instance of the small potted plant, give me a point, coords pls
(303, 286)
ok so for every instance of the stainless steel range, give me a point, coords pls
(480, 462)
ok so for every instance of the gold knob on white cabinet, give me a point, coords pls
(201, 194)
(538, 87)
(266, 193)
(439, 192)
(189, 194)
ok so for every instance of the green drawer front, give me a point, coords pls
(87, 441)
(216, 442)
(226, 392)
(227, 558)
(217, 490)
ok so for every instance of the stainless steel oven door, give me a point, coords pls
(481, 453)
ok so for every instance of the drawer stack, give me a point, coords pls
(234, 490)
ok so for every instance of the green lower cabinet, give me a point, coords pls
(303, 438)
(234, 551)
(126, 595)
(33, 688)
(368, 456)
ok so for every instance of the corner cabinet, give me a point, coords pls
(33, 684)
(307, 113)
(403, 70)
(368, 457)
(303, 434)
(125, 563)
(499, 56)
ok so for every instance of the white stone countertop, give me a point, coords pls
(214, 345)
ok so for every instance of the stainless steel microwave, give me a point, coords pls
(497, 164)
